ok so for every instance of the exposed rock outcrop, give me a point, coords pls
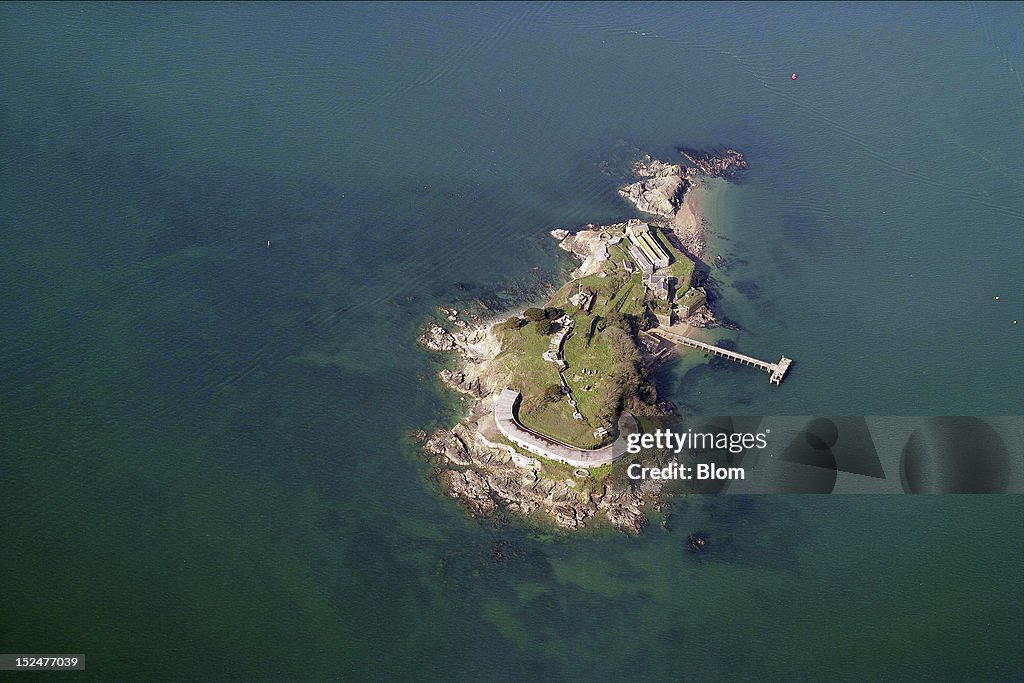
(471, 488)
(624, 511)
(486, 478)
(449, 446)
(459, 382)
(660, 189)
(703, 317)
(483, 491)
(588, 245)
(436, 338)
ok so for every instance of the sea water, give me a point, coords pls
(206, 465)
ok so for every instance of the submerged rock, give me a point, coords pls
(721, 164)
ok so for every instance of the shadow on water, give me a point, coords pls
(748, 288)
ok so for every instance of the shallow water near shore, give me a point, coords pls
(206, 469)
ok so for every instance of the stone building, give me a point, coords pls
(694, 298)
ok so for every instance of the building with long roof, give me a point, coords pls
(642, 262)
(643, 239)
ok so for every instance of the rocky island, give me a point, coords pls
(553, 384)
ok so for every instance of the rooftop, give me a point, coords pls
(641, 259)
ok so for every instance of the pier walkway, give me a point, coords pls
(776, 371)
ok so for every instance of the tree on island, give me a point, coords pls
(534, 314)
(625, 376)
(648, 320)
(545, 327)
(606, 405)
(553, 313)
(618, 320)
(514, 323)
(553, 392)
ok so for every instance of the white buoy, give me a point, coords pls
(997, 297)
(268, 243)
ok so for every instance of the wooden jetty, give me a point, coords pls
(776, 371)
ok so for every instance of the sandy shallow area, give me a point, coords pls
(689, 224)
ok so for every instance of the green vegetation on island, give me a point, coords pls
(550, 385)
(573, 388)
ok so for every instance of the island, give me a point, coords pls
(556, 388)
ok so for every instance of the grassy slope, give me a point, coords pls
(522, 349)
(681, 266)
(685, 300)
(580, 355)
(555, 419)
(531, 374)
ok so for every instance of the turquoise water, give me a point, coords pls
(205, 464)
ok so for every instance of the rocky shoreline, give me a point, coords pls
(724, 164)
(471, 461)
